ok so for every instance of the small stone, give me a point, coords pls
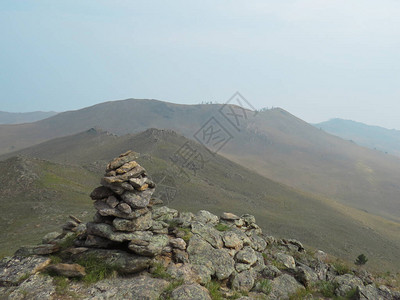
(229, 216)
(70, 225)
(126, 186)
(287, 260)
(75, 219)
(190, 292)
(51, 236)
(247, 256)
(143, 222)
(143, 187)
(248, 219)
(137, 199)
(205, 217)
(120, 161)
(178, 243)
(112, 201)
(125, 208)
(138, 182)
(232, 240)
(126, 167)
(101, 192)
(67, 270)
(243, 281)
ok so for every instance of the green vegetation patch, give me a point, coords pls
(96, 269)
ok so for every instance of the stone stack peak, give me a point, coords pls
(123, 204)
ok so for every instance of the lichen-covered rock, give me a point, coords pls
(232, 240)
(306, 275)
(107, 231)
(143, 222)
(164, 213)
(190, 292)
(36, 287)
(243, 281)
(208, 233)
(247, 255)
(271, 272)
(218, 261)
(13, 269)
(206, 217)
(283, 286)
(285, 259)
(178, 243)
(140, 287)
(346, 283)
(151, 245)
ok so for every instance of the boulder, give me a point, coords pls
(151, 246)
(247, 255)
(137, 199)
(36, 287)
(286, 260)
(143, 222)
(243, 281)
(232, 240)
(345, 283)
(283, 286)
(208, 233)
(206, 217)
(190, 292)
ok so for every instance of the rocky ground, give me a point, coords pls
(135, 248)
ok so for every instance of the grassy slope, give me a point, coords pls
(225, 186)
(274, 143)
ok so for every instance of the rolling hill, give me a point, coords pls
(73, 163)
(18, 118)
(273, 143)
(373, 137)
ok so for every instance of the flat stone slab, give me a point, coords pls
(14, 269)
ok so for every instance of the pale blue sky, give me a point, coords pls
(316, 59)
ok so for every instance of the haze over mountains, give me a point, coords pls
(17, 118)
(297, 179)
(374, 137)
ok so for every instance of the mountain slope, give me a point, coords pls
(274, 143)
(373, 137)
(18, 118)
(221, 183)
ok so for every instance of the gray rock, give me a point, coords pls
(190, 292)
(94, 241)
(12, 269)
(206, 217)
(258, 243)
(101, 192)
(248, 219)
(51, 236)
(138, 182)
(346, 283)
(178, 243)
(36, 287)
(243, 281)
(112, 201)
(37, 250)
(67, 270)
(368, 292)
(271, 272)
(240, 267)
(189, 273)
(124, 158)
(106, 231)
(287, 260)
(164, 213)
(247, 255)
(105, 210)
(208, 233)
(151, 245)
(187, 218)
(283, 286)
(143, 222)
(125, 208)
(141, 287)
(306, 275)
(138, 199)
(232, 240)
(218, 261)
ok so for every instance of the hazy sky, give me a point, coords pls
(316, 59)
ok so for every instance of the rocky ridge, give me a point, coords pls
(140, 249)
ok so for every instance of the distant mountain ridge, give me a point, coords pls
(373, 137)
(28, 117)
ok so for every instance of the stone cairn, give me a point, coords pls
(123, 203)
